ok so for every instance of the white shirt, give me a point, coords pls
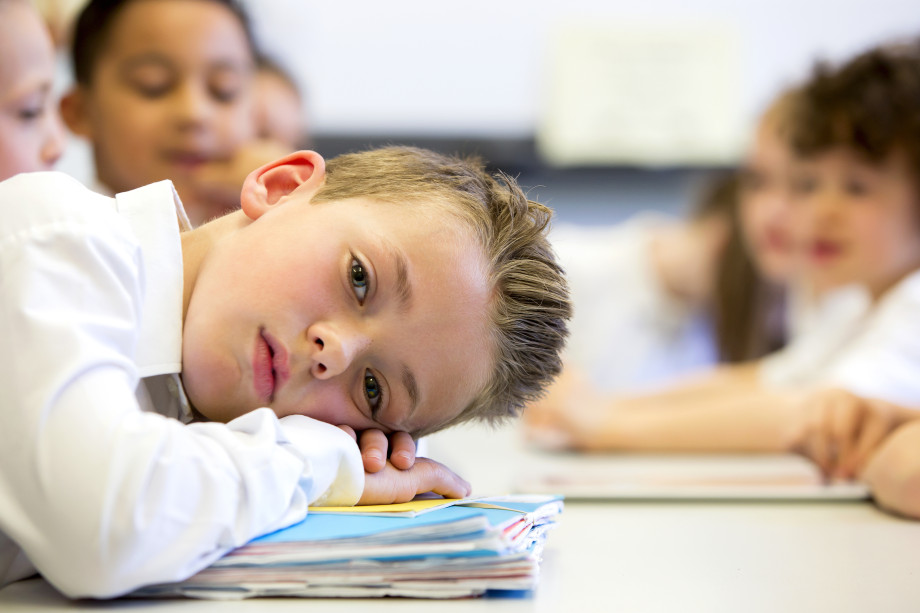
(627, 331)
(97, 492)
(872, 350)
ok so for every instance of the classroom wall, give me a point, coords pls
(480, 68)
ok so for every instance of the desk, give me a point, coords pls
(643, 556)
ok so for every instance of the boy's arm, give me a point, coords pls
(102, 497)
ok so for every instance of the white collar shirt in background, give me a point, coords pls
(102, 487)
(869, 349)
(627, 332)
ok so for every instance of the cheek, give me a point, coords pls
(19, 151)
(328, 402)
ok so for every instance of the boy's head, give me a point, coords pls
(31, 136)
(162, 88)
(396, 289)
(857, 131)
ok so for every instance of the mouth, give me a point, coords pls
(270, 368)
(824, 251)
(187, 160)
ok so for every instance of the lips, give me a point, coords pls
(269, 366)
(187, 160)
(823, 251)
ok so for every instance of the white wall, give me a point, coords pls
(476, 68)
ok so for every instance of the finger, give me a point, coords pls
(434, 477)
(844, 425)
(876, 428)
(816, 443)
(373, 445)
(350, 431)
(402, 450)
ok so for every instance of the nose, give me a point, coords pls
(192, 106)
(53, 146)
(334, 349)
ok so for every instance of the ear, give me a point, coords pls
(73, 112)
(303, 172)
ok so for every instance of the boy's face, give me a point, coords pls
(357, 313)
(169, 93)
(859, 221)
(31, 135)
(766, 207)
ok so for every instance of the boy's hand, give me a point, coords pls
(839, 431)
(392, 484)
(375, 445)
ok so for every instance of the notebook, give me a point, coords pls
(458, 548)
(684, 477)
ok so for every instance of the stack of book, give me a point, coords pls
(433, 548)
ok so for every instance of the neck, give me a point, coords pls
(197, 244)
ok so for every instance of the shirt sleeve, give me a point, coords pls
(884, 361)
(101, 496)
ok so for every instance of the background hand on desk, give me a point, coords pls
(569, 416)
(840, 431)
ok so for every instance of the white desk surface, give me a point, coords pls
(644, 556)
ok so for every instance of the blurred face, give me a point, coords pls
(278, 113)
(31, 136)
(858, 221)
(169, 93)
(766, 205)
(355, 313)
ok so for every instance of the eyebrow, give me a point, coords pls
(403, 285)
(411, 385)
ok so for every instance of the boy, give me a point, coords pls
(397, 290)
(163, 89)
(857, 130)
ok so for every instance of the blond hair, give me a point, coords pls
(530, 303)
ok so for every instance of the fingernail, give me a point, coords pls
(373, 455)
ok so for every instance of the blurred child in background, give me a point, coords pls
(658, 299)
(162, 89)
(278, 106)
(280, 128)
(31, 135)
(857, 130)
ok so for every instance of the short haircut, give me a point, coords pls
(870, 104)
(530, 304)
(94, 24)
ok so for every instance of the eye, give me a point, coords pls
(152, 89)
(803, 184)
(30, 113)
(373, 391)
(359, 279)
(225, 85)
(856, 188)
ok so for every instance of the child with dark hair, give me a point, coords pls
(163, 89)
(856, 130)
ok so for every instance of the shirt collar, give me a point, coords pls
(157, 216)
